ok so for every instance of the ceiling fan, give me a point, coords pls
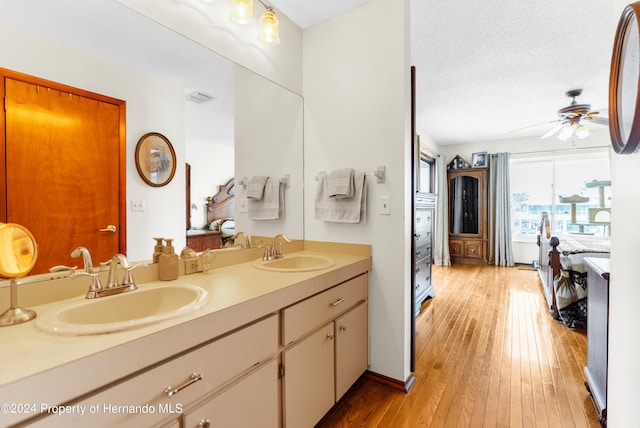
(571, 119)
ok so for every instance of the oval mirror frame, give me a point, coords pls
(624, 86)
(19, 250)
(155, 159)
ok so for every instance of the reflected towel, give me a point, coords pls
(342, 210)
(267, 208)
(255, 186)
(340, 183)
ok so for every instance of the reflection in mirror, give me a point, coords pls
(463, 204)
(18, 254)
(112, 50)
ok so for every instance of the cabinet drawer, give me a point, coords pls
(251, 402)
(315, 311)
(217, 362)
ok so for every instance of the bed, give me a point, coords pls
(563, 272)
(220, 228)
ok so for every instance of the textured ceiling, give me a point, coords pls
(484, 68)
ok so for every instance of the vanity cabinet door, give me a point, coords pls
(309, 379)
(352, 350)
(250, 402)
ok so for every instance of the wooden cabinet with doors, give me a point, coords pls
(468, 215)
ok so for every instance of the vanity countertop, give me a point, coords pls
(39, 367)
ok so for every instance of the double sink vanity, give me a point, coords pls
(247, 343)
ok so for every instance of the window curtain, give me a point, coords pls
(499, 211)
(441, 239)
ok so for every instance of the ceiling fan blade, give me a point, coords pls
(553, 130)
(599, 120)
(537, 124)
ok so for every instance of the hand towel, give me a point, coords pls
(267, 208)
(255, 186)
(341, 210)
(340, 183)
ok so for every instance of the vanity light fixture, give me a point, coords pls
(269, 27)
(269, 31)
(241, 11)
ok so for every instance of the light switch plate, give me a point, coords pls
(385, 209)
(243, 205)
(137, 205)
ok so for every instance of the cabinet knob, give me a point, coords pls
(330, 336)
(343, 327)
(204, 423)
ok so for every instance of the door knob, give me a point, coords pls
(111, 228)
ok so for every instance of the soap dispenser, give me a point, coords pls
(158, 249)
(169, 267)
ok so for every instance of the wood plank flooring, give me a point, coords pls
(488, 354)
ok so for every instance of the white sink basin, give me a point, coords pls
(122, 311)
(295, 263)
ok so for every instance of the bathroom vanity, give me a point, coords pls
(270, 348)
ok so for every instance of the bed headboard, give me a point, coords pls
(222, 204)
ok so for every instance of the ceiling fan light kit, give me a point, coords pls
(572, 118)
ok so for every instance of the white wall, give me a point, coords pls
(153, 105)
(624, 293)
(356, 92)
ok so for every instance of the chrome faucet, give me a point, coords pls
(113, 286)
(95, 286)
(274, 251)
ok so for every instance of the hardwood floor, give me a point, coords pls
(488, 354)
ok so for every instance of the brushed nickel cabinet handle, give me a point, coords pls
(337, 302)
(204, 423)
(195, 377)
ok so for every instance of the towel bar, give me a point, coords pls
(380, 173)
(284, 180)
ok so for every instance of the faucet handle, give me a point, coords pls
(94, 287)
(62, 268)
(128, 278)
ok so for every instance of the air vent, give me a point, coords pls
(198, 97)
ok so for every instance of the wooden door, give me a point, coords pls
(64, 169)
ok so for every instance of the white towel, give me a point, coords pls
(340, 183)
(255, 186)
(342, 210)
(269, 207)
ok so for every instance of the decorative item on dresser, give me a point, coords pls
(598, 333)
(220, 224)
(467, 213)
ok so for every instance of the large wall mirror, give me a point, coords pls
(109, 49)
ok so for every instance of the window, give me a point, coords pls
(425, 174)
(546, 184)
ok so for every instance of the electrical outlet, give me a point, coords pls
(191, 265)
